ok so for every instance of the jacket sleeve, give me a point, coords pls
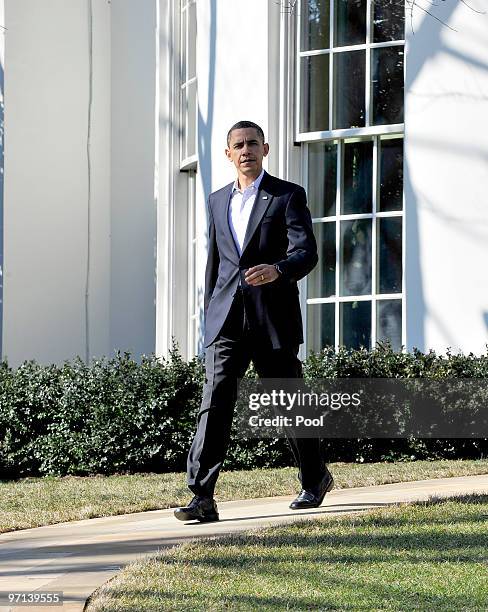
(302, 247)
(213, 260)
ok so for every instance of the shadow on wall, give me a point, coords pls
(427, 37)
(205, 141)
(485, 319)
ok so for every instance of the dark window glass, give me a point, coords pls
(356, 324)
(315, 88)
(349, 88)
(350, 22)
(322, 178)
(358, 190)
(388, 20)
(387, 71)
(356, 257)
(390, 255)
(320, 326)
(321, 281)
(389, 322)
(391, 174)
(315, 24)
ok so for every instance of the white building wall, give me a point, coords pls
(446, 178)
(47, 230)
(233, 79)
(79, 217)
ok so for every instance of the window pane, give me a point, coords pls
(391, 174)
(321, 281)
(315, 24)
(387, 70)
(320, 326)
(356, 257)
(183, 47)
(356, 324)
(322, 178)
(349, 87)
(192, 39)
(315, 88)
(389, 322)
(190, 135)
(388, 20)
(350, 22)
(358, 189)
(390, 255)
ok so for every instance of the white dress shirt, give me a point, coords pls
(240, 208)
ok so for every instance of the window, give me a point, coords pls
(186, 304)
(350, 65)
(354, 294)
(350, 114)
(188, 82)
(193, 305)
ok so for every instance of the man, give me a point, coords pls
(260, 243)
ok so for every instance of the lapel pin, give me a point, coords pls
(265, 197)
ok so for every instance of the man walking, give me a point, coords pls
(260, 243)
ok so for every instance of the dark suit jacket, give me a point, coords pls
(279, 231)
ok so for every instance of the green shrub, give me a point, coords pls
(117, 415)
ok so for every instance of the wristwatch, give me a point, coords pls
(278, 269)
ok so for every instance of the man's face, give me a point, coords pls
(246, 150)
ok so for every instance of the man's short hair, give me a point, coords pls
(245, 124)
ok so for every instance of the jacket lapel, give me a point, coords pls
(221, 212)
(263, 200)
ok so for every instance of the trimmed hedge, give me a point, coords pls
(117, 415)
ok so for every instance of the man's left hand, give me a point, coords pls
(261, 274)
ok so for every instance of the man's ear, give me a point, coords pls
(227, 154)
(266, 149)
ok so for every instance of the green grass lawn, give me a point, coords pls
(33, 502)
(428, 556)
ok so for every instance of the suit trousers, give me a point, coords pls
(226, 360)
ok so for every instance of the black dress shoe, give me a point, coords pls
(203, 509)
(313, 497)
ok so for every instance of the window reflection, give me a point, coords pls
(389, 322)
(387, 82)
(321, 281)
(315, 102)
(390, 255)
(358, 190)
(350, 22)
(315, 24)
(356, 257)
(320, 326)
(356, 324)
(391, 174)
(388, 20)
(322, 178)
(349, 89)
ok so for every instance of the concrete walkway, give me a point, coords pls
(77, 557)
